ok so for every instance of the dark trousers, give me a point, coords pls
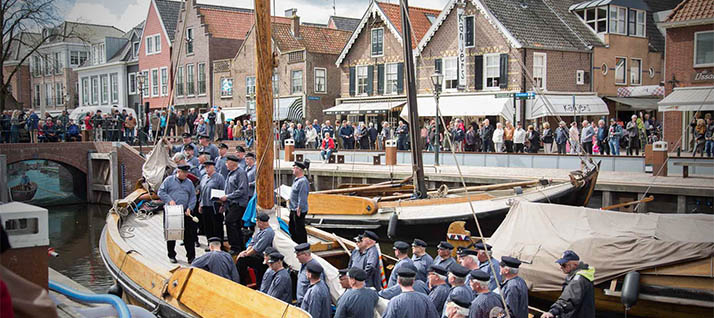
(509, 145)
(254, 262)
(519, 148)
(487, 145)
(234, 227)
(297, 227)
(561, 149)
(189, 239)
(604, 147)
(212, 222)
(588, 146)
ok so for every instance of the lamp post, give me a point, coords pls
(141, 115)
(436, 80)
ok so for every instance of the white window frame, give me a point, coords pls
(250, 87)
(104, 89)
(696, 35)
(164, 81)
(225, 94)
(86, 57)
(155, 84)
(638, 22)
(190, 37)
(38, 95)
(135, 49)
(85, 91)
(48, 94)
(473, 31)
(391, 78)
(157, 43)
(616, 20)
(276, 82)
(58, 62)
(450, 75)
(486, 87)
(293, 87)
(580, 77)
(651, 72)
(59, 93)
(370, 42)
(72, 56)
(114, 88)
(361, 88)
(624, 76)
(145, 89)
(190, 81)
(94, 90)
(543, 68)
(198, 80)
(132, 84)
(632, 72)
(324, 80)
(151, 42)
(180, 82)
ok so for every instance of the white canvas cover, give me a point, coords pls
(155, 165)
(612, 242)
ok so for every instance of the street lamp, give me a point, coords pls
(140, 78)
(436, 80)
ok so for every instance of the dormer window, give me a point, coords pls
(636, 25)
(612, 19)
(595, 18)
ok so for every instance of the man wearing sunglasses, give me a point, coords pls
(578, 297)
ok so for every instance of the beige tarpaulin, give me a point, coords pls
(156, 164)
(612, 242)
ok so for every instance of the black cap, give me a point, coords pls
(203, 152)
(232, 158)
(188, 147)
(269, 250)
(405, 271)
(371, 235)
(468, 251)
(357, 273)
(314, 267)
(214, 239)
(186, 135)
(567, 257)
(401, 245)
(510, 262)
(482, 246)
(444, 245)
(418, 242)
(222, 145)
(302, 247)
(458, 270)
(209, 163)
(184, 167)
(240, 149)
(438, 269)
(263, 217)
(203, 137)
(480, 275)
(461, 299)
(274, 257)
(343, 271)
(299, 164)
(250, 155)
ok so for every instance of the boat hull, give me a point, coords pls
(19, 194)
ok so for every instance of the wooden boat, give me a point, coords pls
(672, 253)
(22, 193)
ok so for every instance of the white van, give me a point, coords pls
(78, 113)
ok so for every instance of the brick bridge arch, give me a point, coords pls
(72, 154)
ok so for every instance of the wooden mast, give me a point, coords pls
(417, 163)
(264, 105)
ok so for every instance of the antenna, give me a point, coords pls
(334, 8)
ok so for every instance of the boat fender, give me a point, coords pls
(630, 289)
(392, 228)
(518, 190)
(115, 290)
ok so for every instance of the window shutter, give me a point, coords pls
(370, 80)
(478, 72)
(437, 66)
(503, 80)
(352, 81)
(380, 79)
(400, 78)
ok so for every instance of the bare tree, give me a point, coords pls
(20, 17)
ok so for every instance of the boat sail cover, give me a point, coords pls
(154, 167)
(612, 242)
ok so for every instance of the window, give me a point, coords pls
(74, 58)
(132, 83)
(636, 71)
(362, 80)
(189, 41)
(539, 70)
(114, 79)
(36, 65)
(48, 94)
(617, 19)
(85, 91)
(202, 79)
(164, 81)
(451, 73)
(155, 82)
(226, 87)
(391, 78)
(636, 22)
(157, 43)
(36, 100)
(83, 56)
(377, 42)
(469, 32)
(58, 62)
(179, 81)
(135, 49)
(603, 69)
(704, 48)
(651, 72)
(276, 82)
(59, 94)
(48, 65)
(145, 86)
(296, 81)
(431, 18)
(250, 86)
(95, 90)
(493, 70)
(104, 79)
(579, 77)
(620, 70)
(99, 53)
(190, 85)
(153, 44)
(320, 80)
(294, 57)
(149, 45)
(595, 18)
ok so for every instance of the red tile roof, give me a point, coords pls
(418, 17)
(230, 24)
(692, 10)
(314, 39)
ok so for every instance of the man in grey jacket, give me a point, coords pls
(586, 137)
(578, 297)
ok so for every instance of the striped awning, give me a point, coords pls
(295, 110)
(286, 108)
(689, 99)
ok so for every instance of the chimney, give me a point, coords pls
(295, 25)
(289, 13)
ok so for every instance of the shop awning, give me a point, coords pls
(233, 113)
(463, 106)
(564, 105)
(286, 108)
(372, 107)
(633, 103)
(689, 99)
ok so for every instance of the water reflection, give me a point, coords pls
(74, 233)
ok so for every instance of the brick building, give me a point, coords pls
(155, 68)
(19, 84)
(305, 81)
(689, 72)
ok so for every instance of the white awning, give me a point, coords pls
(289, 108)
(637, 103)
(689, 99)
(233, 113)
(566, 105)
(463, 106)
(372, 107)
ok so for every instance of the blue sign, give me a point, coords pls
(313, 98)
(526, 95)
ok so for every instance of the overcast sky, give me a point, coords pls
(125, 14)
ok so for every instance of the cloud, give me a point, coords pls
(101, 12)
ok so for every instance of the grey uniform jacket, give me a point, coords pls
(317, 300)
(357, 303)
(369, 262)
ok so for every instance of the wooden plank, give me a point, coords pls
(621, 205)
(702, 283)
(437, 201)
(699, 268)
(372, 188)
(340, 204)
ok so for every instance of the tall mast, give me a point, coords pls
(264, 105)
(417, 164)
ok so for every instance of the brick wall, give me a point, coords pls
(201, 54)
(629, 47)
(20, 83)
(314, 108)
(152, 26)
(221, 69)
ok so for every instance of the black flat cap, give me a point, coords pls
(269, 250)
(240, 149)
(438, 269)
(232, 158)
(458, 270)
(482, 246)
(214, 239)
(371, 235)
(203, 137)
(314, 267)
(406, 272)
(222, 145)
(184, 167)
(250, 155)
(480, 275)
(418, 242)
(343, 271)
(203, 152)
(357, 273)
(302, 247)
(263, 217)
(444, 245)
(275, 256)
(468, 251)
(461, 299)
(299, 164)
(209, 163)
(186, 135)
(188, 147)
(401, 245)
(510, 262)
